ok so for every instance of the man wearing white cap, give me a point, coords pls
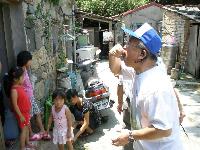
(154, 104)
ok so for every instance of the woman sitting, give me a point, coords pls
(84, 112)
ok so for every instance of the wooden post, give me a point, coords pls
(2, 143)
(110, 30)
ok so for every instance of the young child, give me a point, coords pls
(20, 104)
(24, 60)
(61, 115)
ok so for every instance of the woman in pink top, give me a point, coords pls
(24, 60)
(61, 115)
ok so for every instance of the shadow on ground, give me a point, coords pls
(190, 97)
(100, 132)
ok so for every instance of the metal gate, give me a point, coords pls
(3, 53)
(4, 62)
(12, 38)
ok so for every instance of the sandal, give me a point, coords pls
(46, 136)
(36, 137)
(31, 146)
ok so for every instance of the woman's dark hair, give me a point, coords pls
(71, 93)
(8, 79)
(58, 93)
(23, 57)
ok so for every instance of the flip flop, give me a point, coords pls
(31, 146)
(46, 136)
(35, 137)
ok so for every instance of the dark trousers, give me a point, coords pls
(126, 120)
(2, 144)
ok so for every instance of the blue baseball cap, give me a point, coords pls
(148, 35)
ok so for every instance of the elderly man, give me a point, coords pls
(154, 106)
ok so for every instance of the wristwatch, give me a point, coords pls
(130, 137)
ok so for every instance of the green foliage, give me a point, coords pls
(54, 2)
(61, 59)
(30, 21)
(109, 7)
(115, 7)
(45, 18)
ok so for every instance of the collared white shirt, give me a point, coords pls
(156, 104)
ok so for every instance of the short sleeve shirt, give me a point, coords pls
(156, 105)
(89, 107)
(128, 75)
(86, 107)
(27, 85)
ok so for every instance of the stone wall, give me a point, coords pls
(43, 73)
(44, 27)
(175, 30)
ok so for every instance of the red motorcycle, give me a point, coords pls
(95, 90)
(99, 94)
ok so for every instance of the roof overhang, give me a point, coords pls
(96, 17)
(191, 17)
(138, 9)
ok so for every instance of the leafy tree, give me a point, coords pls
(114, 7)
(109, 7)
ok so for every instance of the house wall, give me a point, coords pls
(192, 63)
(175, 30)
(43, 73)
(12, 40)
(197, 66)
(152, 15)
(3, 57)
(12, 34)
(20, 30)
(93, 36)
(24, 27)
(45, 40)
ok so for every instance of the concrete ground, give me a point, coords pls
(101, 139)
(190, 97)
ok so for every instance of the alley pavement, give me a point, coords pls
(102, 137)
(189, 93)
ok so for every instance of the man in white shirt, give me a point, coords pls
(124, 91)
(154, 101)
(118, 67)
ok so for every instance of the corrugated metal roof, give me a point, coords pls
(191, 12)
